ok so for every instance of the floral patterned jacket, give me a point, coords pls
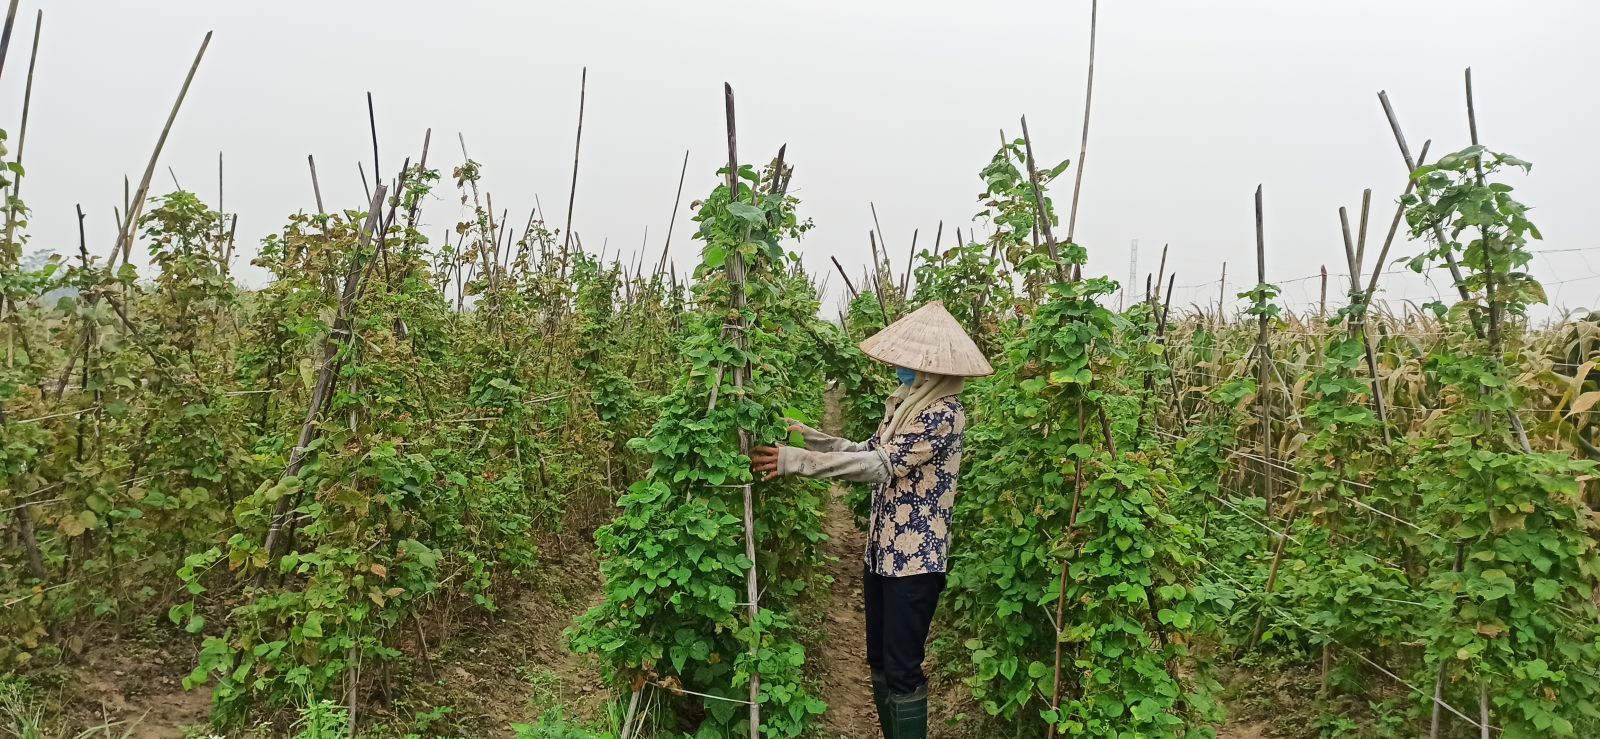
(916, 469)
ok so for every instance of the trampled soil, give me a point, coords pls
(846, 682)
(490, 671)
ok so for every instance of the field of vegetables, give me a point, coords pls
(484, 481)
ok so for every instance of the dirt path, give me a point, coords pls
(846, 683)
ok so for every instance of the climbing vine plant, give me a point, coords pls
(674, 558)
(1074, 590)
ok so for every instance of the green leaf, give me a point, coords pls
(748, 212)
(715, 257)
(312, 626)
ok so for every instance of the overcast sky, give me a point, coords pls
(893, 102)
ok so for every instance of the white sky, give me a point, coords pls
(893, 102)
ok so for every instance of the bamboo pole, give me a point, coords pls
(222, 218)
(1083, 145)
(633, 710)
(740, 374)
(22, 133)
(676, 201)
(877, 284)
(885, 241)
(905, 279)
(1043, 218)
(1322, 303)
(1222, 292)
(847, 283)
(1161, 273)
(1355, 255)
(328, 369)
(5, 36)
(577, 148)
(131, 221)
(1411, 166)
(1263, 359)
(316, 187)
(1496, 308)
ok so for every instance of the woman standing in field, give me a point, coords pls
(913, 459)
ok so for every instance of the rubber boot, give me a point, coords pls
(880, 698)
(909, 713)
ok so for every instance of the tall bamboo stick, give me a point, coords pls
(5, 35)
(1043, 218)
(577, 148)
(1083, 145)
(130, 222)
(1263, 359)
(740, 374)
(328, 369)
(676, 201)
(22, 133)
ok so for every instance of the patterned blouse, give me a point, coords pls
(909, 533)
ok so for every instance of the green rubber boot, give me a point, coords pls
(909, 714)
(880, 698)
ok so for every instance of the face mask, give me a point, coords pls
(907, 376)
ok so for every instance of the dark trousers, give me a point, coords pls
(899, 610)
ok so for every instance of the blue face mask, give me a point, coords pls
(907, 376)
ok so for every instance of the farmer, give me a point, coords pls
(913, 460)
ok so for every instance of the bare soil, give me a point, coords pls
(136, 688)
(490, 671)
(846, 681)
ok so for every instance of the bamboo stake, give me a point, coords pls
(884, 239)
(671, 224)
(22, 133)
(130, 223)
(372, 122)
(877, 284)
(223, 247)
(1083, 146)
(752, 592)
(1322, 304)
(316, 187)
(633, 710)
(1496, 306)
(5, 36)
(1263, 359)
(327, 371)
(1222, 292)
(1355, 255)
(1411, 166)
(846, 276)
(905, 279)
(1038, 205)
(1161, 273)
(577, 148)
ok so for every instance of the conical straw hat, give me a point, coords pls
(928, 340)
